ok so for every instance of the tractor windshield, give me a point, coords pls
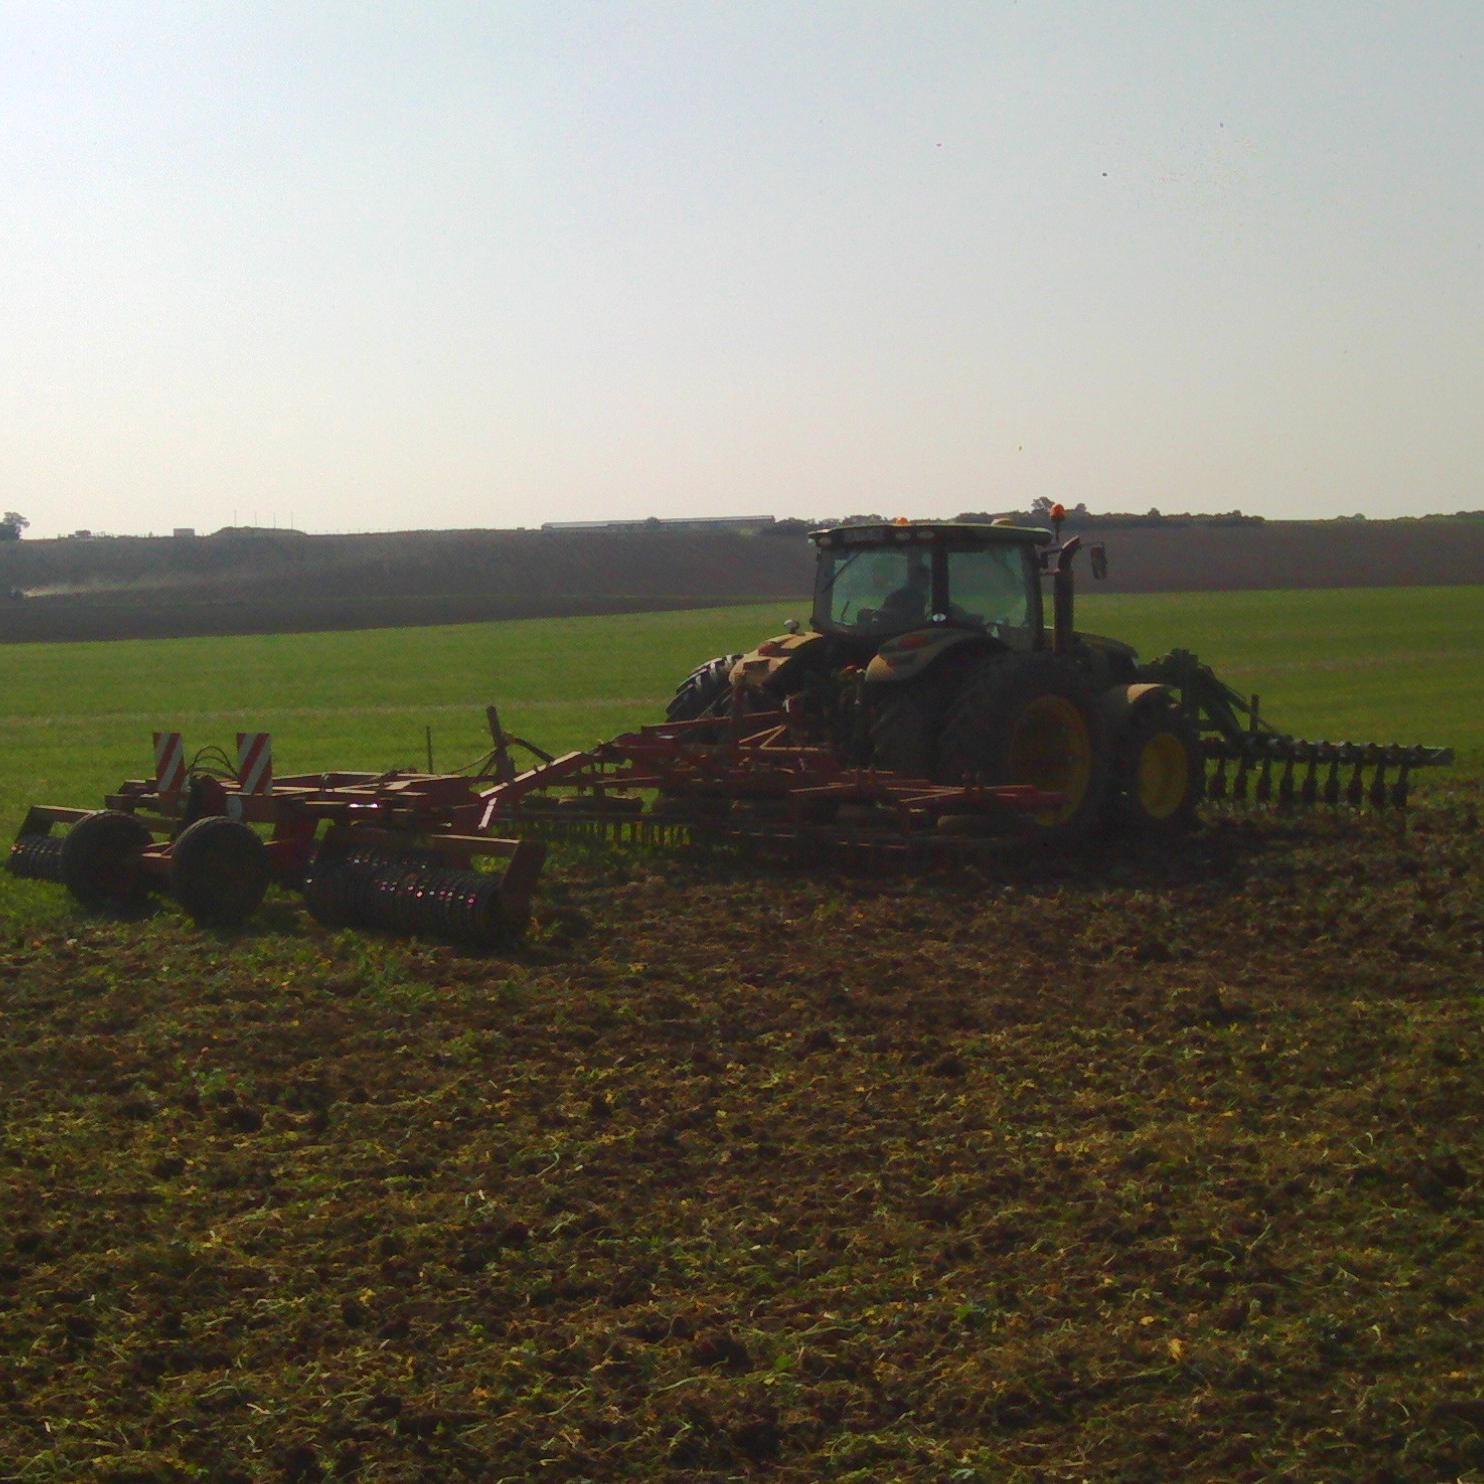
(881, 590)
(991, 587)
(876, 590)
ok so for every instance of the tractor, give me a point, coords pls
(929, 655)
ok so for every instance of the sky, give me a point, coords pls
(382, 266)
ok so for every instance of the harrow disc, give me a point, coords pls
(409, 894)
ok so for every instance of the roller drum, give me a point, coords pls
(37, 857)
(408, 895)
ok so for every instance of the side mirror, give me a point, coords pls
(1098, 557)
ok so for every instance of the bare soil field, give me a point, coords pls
(1137, 1164)
(284, 582)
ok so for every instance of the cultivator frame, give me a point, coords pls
(755, 776)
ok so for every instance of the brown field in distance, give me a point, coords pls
(282, 581)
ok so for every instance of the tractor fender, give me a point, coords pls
(1119, 702)
(758, 666)
(908, 655)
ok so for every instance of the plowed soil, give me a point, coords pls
(1159, 1164)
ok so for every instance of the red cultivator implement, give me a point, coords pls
(398, 850)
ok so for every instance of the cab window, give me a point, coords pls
(990, 586)
(872, 590)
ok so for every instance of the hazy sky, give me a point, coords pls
(372, 265)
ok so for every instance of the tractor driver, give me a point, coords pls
(914, 597)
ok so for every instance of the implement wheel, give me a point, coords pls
(1159, 772)
(100, 861)
(1031, 719)
(704, 691)
(218, 871)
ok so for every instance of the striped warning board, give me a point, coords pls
(170, 768)
(255, 762)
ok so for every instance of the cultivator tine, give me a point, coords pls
(1355, 789)
(1309, 788)
(1239, 783)
(1216, 788)
(1285, 785)
(1332, 782)
(1264, 792)
(1378, 794)
(1399, 788)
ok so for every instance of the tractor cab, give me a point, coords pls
(874, 583)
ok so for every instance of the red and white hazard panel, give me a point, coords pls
(170, 768)
(255, 762)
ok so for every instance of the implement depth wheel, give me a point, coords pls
(100, 861)
(218, 871)
(1030, 719)
(1159, 775)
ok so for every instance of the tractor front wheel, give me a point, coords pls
(1031, 719)
(1158, 771)
(704, 691)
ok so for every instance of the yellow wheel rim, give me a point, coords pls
(1162, 778)
(1051, 749)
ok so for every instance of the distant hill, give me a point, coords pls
(284, 581)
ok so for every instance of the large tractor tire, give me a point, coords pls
(100, 861)
(704, 691)
(1159, 775)
(1031, 719)
(906, 724)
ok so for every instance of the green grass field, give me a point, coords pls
(1387, 665)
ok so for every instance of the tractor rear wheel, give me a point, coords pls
(704, 691)
(904, 729)
(218, 871)
(1158, 771)
(1031, 719)
(100, 860)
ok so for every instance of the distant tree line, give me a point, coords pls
(12, 523)
(1079, 515)
(1039, 514)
